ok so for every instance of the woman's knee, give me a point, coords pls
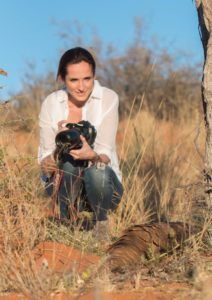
(97, 176)
(69, 170)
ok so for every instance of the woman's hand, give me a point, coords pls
(48, 165)
(86, 152)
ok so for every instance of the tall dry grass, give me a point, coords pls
(161, 161)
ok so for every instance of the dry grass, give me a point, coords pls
(160, 162)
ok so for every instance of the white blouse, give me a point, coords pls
(101, 110)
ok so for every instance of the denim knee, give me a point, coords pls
(103, 189)
(96, 176)
(69, 170)
(70, 174)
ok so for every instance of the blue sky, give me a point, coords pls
(29, 34)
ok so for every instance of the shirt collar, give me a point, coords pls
(95, 94)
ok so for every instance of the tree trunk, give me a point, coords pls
(204, 9)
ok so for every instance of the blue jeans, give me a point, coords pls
(100, 186)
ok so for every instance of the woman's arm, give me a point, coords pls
(47, 141)
(87, 153)
(48, 165)
(106, 136)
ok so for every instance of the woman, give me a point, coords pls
(82, 98)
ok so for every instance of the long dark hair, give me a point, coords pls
(74, 56)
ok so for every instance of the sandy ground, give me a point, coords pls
(63, 259)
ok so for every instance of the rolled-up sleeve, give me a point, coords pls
(47, 134)
(106, 133)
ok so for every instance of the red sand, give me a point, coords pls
(62, 258)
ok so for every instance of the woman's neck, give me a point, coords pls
(75, 111)
(74, 103)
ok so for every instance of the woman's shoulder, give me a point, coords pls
(109, 98)
(107, 94)
(56, 96)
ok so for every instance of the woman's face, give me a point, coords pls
(79, 81)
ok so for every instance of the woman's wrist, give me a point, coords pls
(100, 158)
(96, 158)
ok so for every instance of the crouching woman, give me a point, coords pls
(94, 170)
